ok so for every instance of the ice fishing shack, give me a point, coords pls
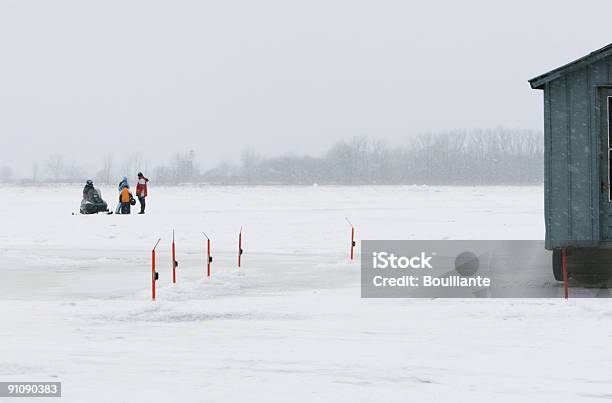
(578, 163)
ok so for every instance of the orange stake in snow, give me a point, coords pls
(209, 256)
(174, 262)
(154, 274)
(240, 251)
(352, 237)
(565, 277)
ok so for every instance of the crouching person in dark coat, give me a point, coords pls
(125, 198)
(88, 190)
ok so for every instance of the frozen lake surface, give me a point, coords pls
(290, 324)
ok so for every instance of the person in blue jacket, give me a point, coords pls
(123, 184)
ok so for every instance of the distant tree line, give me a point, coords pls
(457, 157)
(475, 157)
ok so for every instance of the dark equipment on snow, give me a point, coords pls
(93, 203)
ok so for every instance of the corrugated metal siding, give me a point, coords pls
(559, 162)
(547, 165)
(579, 153)
(602, 76)
(598, 75)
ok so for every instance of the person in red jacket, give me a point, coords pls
(141, 191)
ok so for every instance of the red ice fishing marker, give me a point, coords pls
(352, 237)
(209, 257)
(174, 262)
(154, 274)
(240, 251)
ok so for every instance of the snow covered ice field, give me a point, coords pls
(290, 325)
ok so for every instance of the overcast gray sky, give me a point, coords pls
(86, 78)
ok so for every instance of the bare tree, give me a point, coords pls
(184, 167)
(55, 166)
(105, 174)
(250, 162)
(6, 174)
(131, 164)
(73, 172)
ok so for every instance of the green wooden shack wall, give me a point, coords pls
(572, 141)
